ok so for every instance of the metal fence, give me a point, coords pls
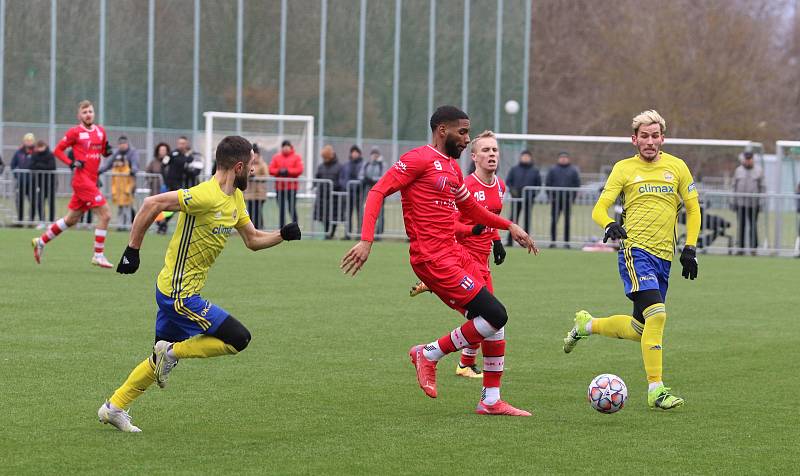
(757, 224)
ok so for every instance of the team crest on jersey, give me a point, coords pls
(668, 176)
(234, 213)
(441, 183)
(100, 135)
(467, 283)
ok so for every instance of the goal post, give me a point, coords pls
(267, 130)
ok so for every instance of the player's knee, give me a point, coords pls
(642, 300)
(233, 333)
(488, 307)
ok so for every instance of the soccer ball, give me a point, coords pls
(512, 107)
(607, 393)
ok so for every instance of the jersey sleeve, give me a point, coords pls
(194, 200)
(405, 170)
(241, 211)
(611, 190)
(66, 142)
(686, 186)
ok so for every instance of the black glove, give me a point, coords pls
(614, 231)
(689, 262)
(283, 172)
(478, 229)
(290, 232)
(108, 151)
(499, 252)
(76, 164)
(129, 262)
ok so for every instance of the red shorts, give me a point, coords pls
(482, 258)
(455, 277)
(84, 199)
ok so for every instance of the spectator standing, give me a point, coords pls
(20, 165)
(123, 186)
(183, 166)
(522, 175)
(370, 174)
(747, 178)
(349, 181)
(43, 164)
(286, 164)
(256, 192)
(563, 175)
(155, 169)
(326, 205)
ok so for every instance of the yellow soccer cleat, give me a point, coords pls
(470, 371)
(660, 397)
(418, 289)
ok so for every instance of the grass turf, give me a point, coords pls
(326, 385)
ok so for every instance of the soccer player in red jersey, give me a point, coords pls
(89, 144)
(432, 186)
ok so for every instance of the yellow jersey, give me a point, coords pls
(207, 218)
(652, 195)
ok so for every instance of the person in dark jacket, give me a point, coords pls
(43, 162)
(326, 204)
(349, 180)
(180, 171)
(371, 172)
(522, 175)
(563, 175)
(21, 165)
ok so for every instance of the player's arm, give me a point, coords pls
(400, 175)
(65, 143)
(151, 207)
(474, 211)
(611, 190)
(464, 230)
(255, 239)
(688, 193)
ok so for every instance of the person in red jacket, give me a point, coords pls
(89, 144)
(286, 164)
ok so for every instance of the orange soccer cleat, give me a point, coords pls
(426, 370)
(499, 408)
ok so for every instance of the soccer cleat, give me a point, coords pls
(38, 249)
(164, 363)
(117, 418)
(660, 397)
(499, 407)
(418, 289)
(101, 261)
(470, 371)
(426, 370)
(578, 331)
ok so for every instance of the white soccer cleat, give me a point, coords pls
(164, 363)
(117, 418)
(38, 249)
(101, 261)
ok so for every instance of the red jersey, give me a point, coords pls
(431, 186)
(88, 146)
(491, 198)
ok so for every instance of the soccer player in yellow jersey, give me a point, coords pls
(187, 326)
(652, 185)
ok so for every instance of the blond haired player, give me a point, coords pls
(653, 185)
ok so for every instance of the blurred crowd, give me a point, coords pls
(341, 187)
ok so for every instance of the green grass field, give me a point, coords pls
(326, 386)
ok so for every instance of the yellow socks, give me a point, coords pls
(619, 327)
(140, 378)
(200, 347)
(655, 317)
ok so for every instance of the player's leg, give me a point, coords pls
(467, 366)
(100, 232)
(70, 219)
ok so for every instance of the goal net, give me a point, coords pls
(266, 130)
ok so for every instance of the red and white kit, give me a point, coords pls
(88, 146)
(432, 187)
(480, 247)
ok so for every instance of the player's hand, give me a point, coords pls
(614, 231)
(499, 252)
(689, 262)
(521, 237)
(129, 262)
(356, 257)
(290, 231)
(478, 229)
(76, 164)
